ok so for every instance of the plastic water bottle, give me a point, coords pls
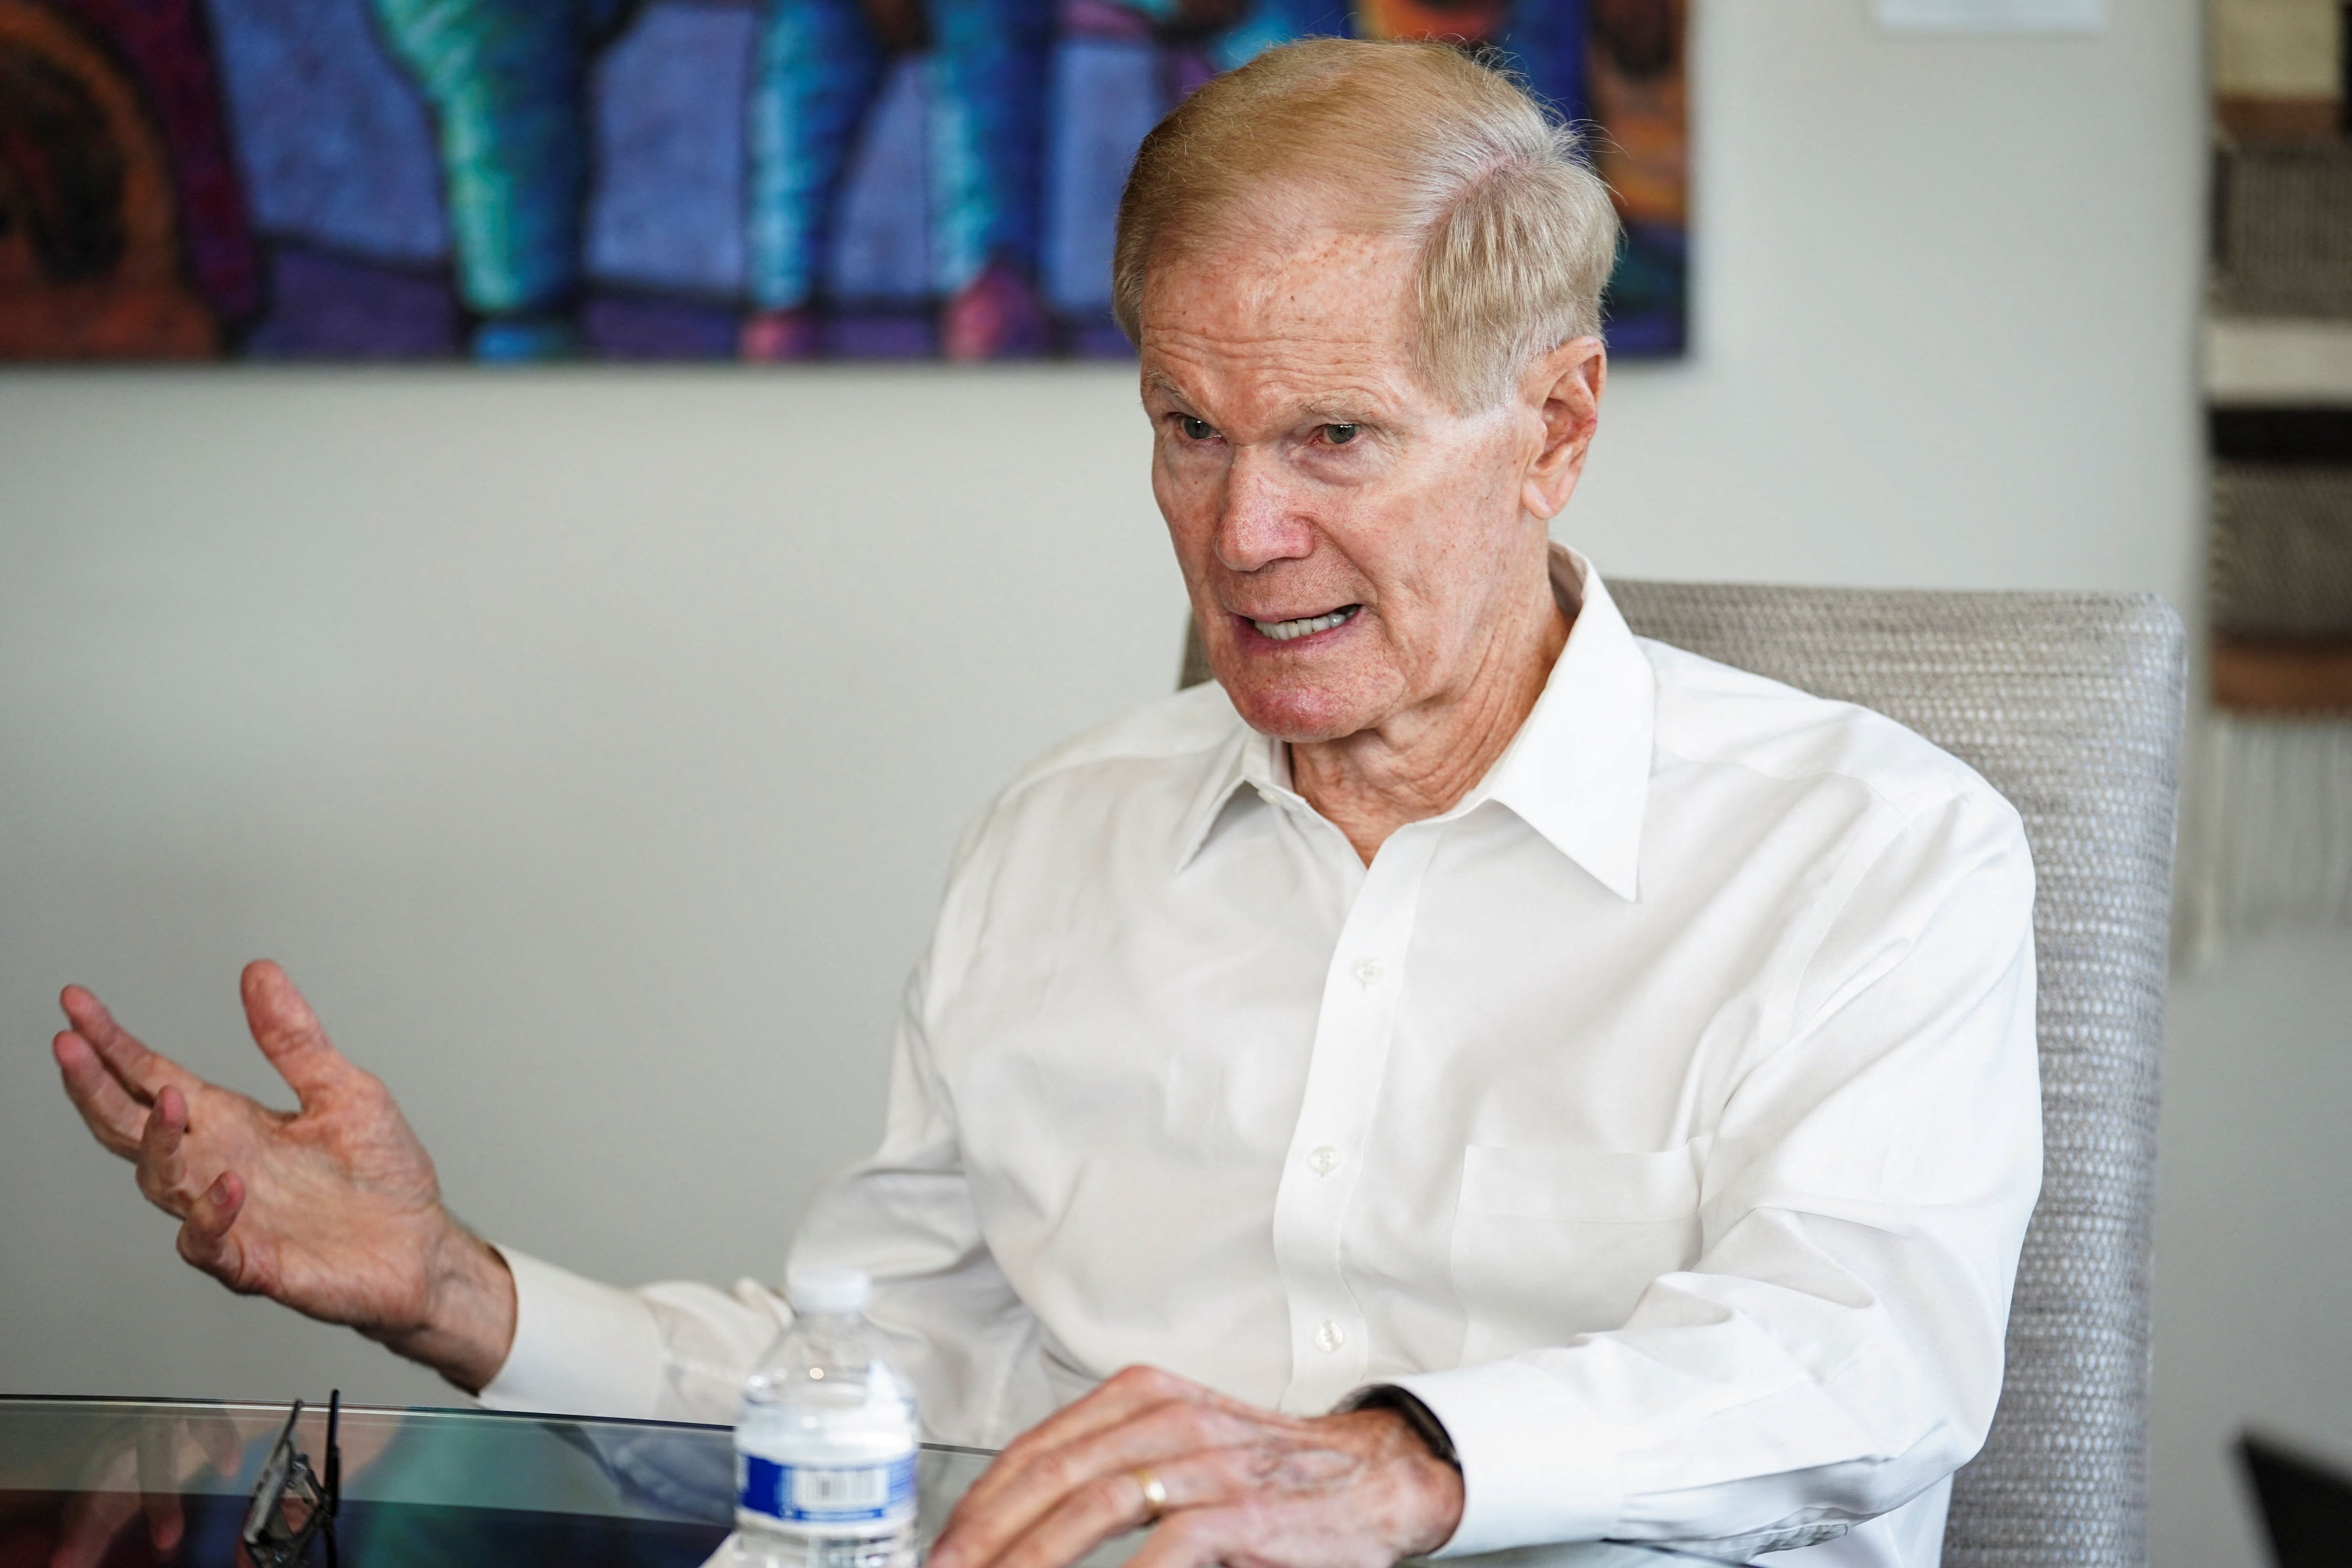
(825, 1450)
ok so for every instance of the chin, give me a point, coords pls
(1300, 711)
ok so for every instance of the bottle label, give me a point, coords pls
(828, 1494)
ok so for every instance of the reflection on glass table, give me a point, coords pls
(131, 1481)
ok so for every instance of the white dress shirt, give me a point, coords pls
(1665, 1115)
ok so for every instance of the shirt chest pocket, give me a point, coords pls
(1550, 1243)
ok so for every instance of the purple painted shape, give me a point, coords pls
(871, 335)
(1099, 340)
(331, 307)
(658, 327)
(1188, 67)
(1657, 334)
(1103, 19)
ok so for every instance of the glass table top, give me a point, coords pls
(124, 1482)
(95, 1477)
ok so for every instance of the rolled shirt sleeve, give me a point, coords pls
(1837, 1348)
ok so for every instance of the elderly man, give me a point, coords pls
(1487, 1078)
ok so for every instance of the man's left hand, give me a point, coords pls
(1238, 1486)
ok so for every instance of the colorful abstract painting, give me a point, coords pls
(771, 180)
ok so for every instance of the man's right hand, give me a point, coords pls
(333, 1209)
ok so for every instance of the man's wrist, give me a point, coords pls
(1417, 1416)
(1431, 1490)
(470, 1320)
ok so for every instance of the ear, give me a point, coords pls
(1563, 388)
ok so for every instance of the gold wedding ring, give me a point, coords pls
(1155, 1495)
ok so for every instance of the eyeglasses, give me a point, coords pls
(291, 1505)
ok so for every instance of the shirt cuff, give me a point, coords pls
(579, 1348)
(1537, 1466)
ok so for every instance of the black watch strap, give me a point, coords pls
(1417, 1415)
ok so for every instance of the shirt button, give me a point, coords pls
(1328, 1335)
(1324, 1161)
(1368, 972)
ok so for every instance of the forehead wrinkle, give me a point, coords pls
(1298, 351)
(1285, 387)
(1296, 382)
(1316, 323)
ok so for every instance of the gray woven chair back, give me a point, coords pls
(2070, 705)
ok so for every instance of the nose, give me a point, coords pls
(1265, 519)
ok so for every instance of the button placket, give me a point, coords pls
(1353, 1028)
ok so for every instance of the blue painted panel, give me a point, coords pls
(669, 209)
(882, 250)
(336, 146)
(1106, 97)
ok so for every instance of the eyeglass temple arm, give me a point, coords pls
(334, 1454)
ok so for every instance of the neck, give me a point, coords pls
(1420, 761)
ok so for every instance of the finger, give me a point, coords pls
(139, 1069)
(1198, 1538)
(288, 1033)
(205, 1238)
(1120, 1399)
(159, 1485)
(165, 1522)
(114, 1118)
(1113, 1402)
(1083, 1520)
(163, 1161)
(1116, 1503)
(985, 1523)
(1117, 1398)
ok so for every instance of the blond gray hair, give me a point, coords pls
(1517, 233)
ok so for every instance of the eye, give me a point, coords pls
(1195, 429)
(1340, 434)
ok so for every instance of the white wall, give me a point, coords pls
(2252, 1274)
(591, 747)
(1946, 297)
(591, 743)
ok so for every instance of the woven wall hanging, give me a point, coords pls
(2270, 837)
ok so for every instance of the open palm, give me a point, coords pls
(333, 1209)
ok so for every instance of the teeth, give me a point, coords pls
(1284, 631)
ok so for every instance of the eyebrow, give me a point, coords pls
(1354, 406)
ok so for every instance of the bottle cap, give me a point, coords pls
(828, 1288)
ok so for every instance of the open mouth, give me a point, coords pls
(1306, 625)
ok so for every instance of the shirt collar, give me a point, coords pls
(1578, 772)
(1247, 759)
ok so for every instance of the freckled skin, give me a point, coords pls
(1302, 466)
